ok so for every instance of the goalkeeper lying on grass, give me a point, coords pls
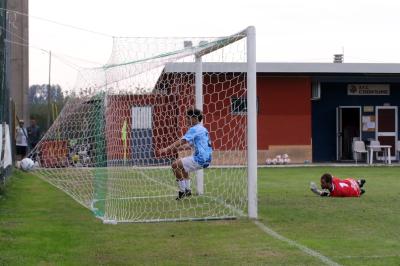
(336, 187)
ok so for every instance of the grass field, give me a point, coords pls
(40, 225)
(147, 194)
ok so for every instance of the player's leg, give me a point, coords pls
(357, 184)
(188, 165)
(179, 170)
(20, 152)
(181, 176)
(361, 182)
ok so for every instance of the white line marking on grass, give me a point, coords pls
(157, 182)
(367, 257)
(305, 249)
(139, 197)
(232, 208)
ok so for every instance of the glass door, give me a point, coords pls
(386, 128)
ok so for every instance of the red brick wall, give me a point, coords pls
(284, 111)
(119, 109)
(168, 118)
(227, 131)
(284, 116)
(54, 153)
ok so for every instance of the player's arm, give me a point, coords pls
(315, 190)
(173, 147)
(325, 193)
(184, 147)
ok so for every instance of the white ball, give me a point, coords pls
(27, 164)
(274, 161)
(268, 161)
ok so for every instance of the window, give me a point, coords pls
(316, 91)
(239, 105)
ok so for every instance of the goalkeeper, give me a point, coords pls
(197, 138)
(336, 187)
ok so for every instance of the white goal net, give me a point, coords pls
(102, 148)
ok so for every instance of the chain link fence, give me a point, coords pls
(6, 107)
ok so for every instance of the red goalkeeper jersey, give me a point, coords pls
(345, 188)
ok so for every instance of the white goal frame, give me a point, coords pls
(250, 33)
(117, 190)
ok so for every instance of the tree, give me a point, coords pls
(37, 98)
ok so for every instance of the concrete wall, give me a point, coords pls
(18, 70)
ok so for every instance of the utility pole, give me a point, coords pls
(3, 90)
(49, 94)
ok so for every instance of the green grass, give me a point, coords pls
(127, 194)
(40, 225)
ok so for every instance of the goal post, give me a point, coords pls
(251, 114)
(199, 106)
(103, 148)
(252, 122)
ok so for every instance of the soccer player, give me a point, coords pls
(198, 139)
(336, 187)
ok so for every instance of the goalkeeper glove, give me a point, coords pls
(314, 188)
(322, 193)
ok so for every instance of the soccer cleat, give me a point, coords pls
(362, 192)
(181, 194)
(188, 193)
(361, 182)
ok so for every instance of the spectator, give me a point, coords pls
(33, 134)
(21, 140)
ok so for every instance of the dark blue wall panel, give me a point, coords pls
(324, 115)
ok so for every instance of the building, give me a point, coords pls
(310, 111)
(313, 111)
(340, 103)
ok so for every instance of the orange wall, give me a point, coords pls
(284, 116)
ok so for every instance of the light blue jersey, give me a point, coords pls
(198, 137)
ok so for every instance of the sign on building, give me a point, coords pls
(368, 89)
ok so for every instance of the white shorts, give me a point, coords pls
(190, 165)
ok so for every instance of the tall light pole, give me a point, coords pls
(49, 94)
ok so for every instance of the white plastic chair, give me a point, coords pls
(376, 150)
(359, 148)
(398, 149)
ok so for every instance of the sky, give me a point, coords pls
(287, 30)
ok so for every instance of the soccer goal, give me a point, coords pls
(101, 150)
